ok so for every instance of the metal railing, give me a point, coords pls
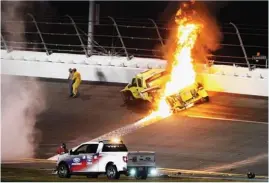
(117, 42)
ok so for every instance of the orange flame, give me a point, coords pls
(182, 72)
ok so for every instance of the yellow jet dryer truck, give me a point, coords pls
(148, 85)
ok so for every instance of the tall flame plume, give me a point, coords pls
(182, 72)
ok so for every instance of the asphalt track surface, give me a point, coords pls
(228, 134)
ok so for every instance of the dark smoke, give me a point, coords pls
(209, 38)
(22, 99)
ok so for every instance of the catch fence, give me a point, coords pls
(124, 37)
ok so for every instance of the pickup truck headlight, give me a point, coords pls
(132, 171)
(153, 171)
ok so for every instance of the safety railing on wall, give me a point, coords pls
(120, 37)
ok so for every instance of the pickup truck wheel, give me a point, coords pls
(63, 171)
(112, 172)
(142, 175)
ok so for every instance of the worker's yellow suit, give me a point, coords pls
(76, 82)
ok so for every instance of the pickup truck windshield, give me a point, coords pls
(114, 148)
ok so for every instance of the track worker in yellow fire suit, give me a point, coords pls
(76, 82)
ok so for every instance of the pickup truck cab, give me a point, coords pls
(94, 158)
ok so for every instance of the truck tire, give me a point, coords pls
(128, 97)
(63, 171)
(205, 99)
(142, 175)
(112, 172)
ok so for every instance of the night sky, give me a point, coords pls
(252, 17)
(248, 12)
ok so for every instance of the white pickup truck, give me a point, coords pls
(105, 157)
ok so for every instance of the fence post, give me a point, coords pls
(91, 27)
(40, 35)
(5, 44)
(242, 45)
(81, 42)
(121, 40)
(159, 35)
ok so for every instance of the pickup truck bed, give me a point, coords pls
(141, 164)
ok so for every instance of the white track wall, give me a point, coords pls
(119, 70)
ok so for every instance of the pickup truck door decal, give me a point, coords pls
(85, 162)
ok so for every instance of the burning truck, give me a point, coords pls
(149, 86)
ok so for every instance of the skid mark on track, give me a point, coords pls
(245, 162)
(197, 172)
(228, 119)
(208, 111)
(207, 174)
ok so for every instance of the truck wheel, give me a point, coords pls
(142, 175)
(112, 172)
(63, 171)
(128, 97)
(205, 99)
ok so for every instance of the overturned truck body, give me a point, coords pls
(148, 85)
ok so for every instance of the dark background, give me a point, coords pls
(250, 17)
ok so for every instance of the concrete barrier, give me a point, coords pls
(119, 70)
(142, 63)
(235, 84)
(60, 71)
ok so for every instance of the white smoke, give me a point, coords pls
(22, 99)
